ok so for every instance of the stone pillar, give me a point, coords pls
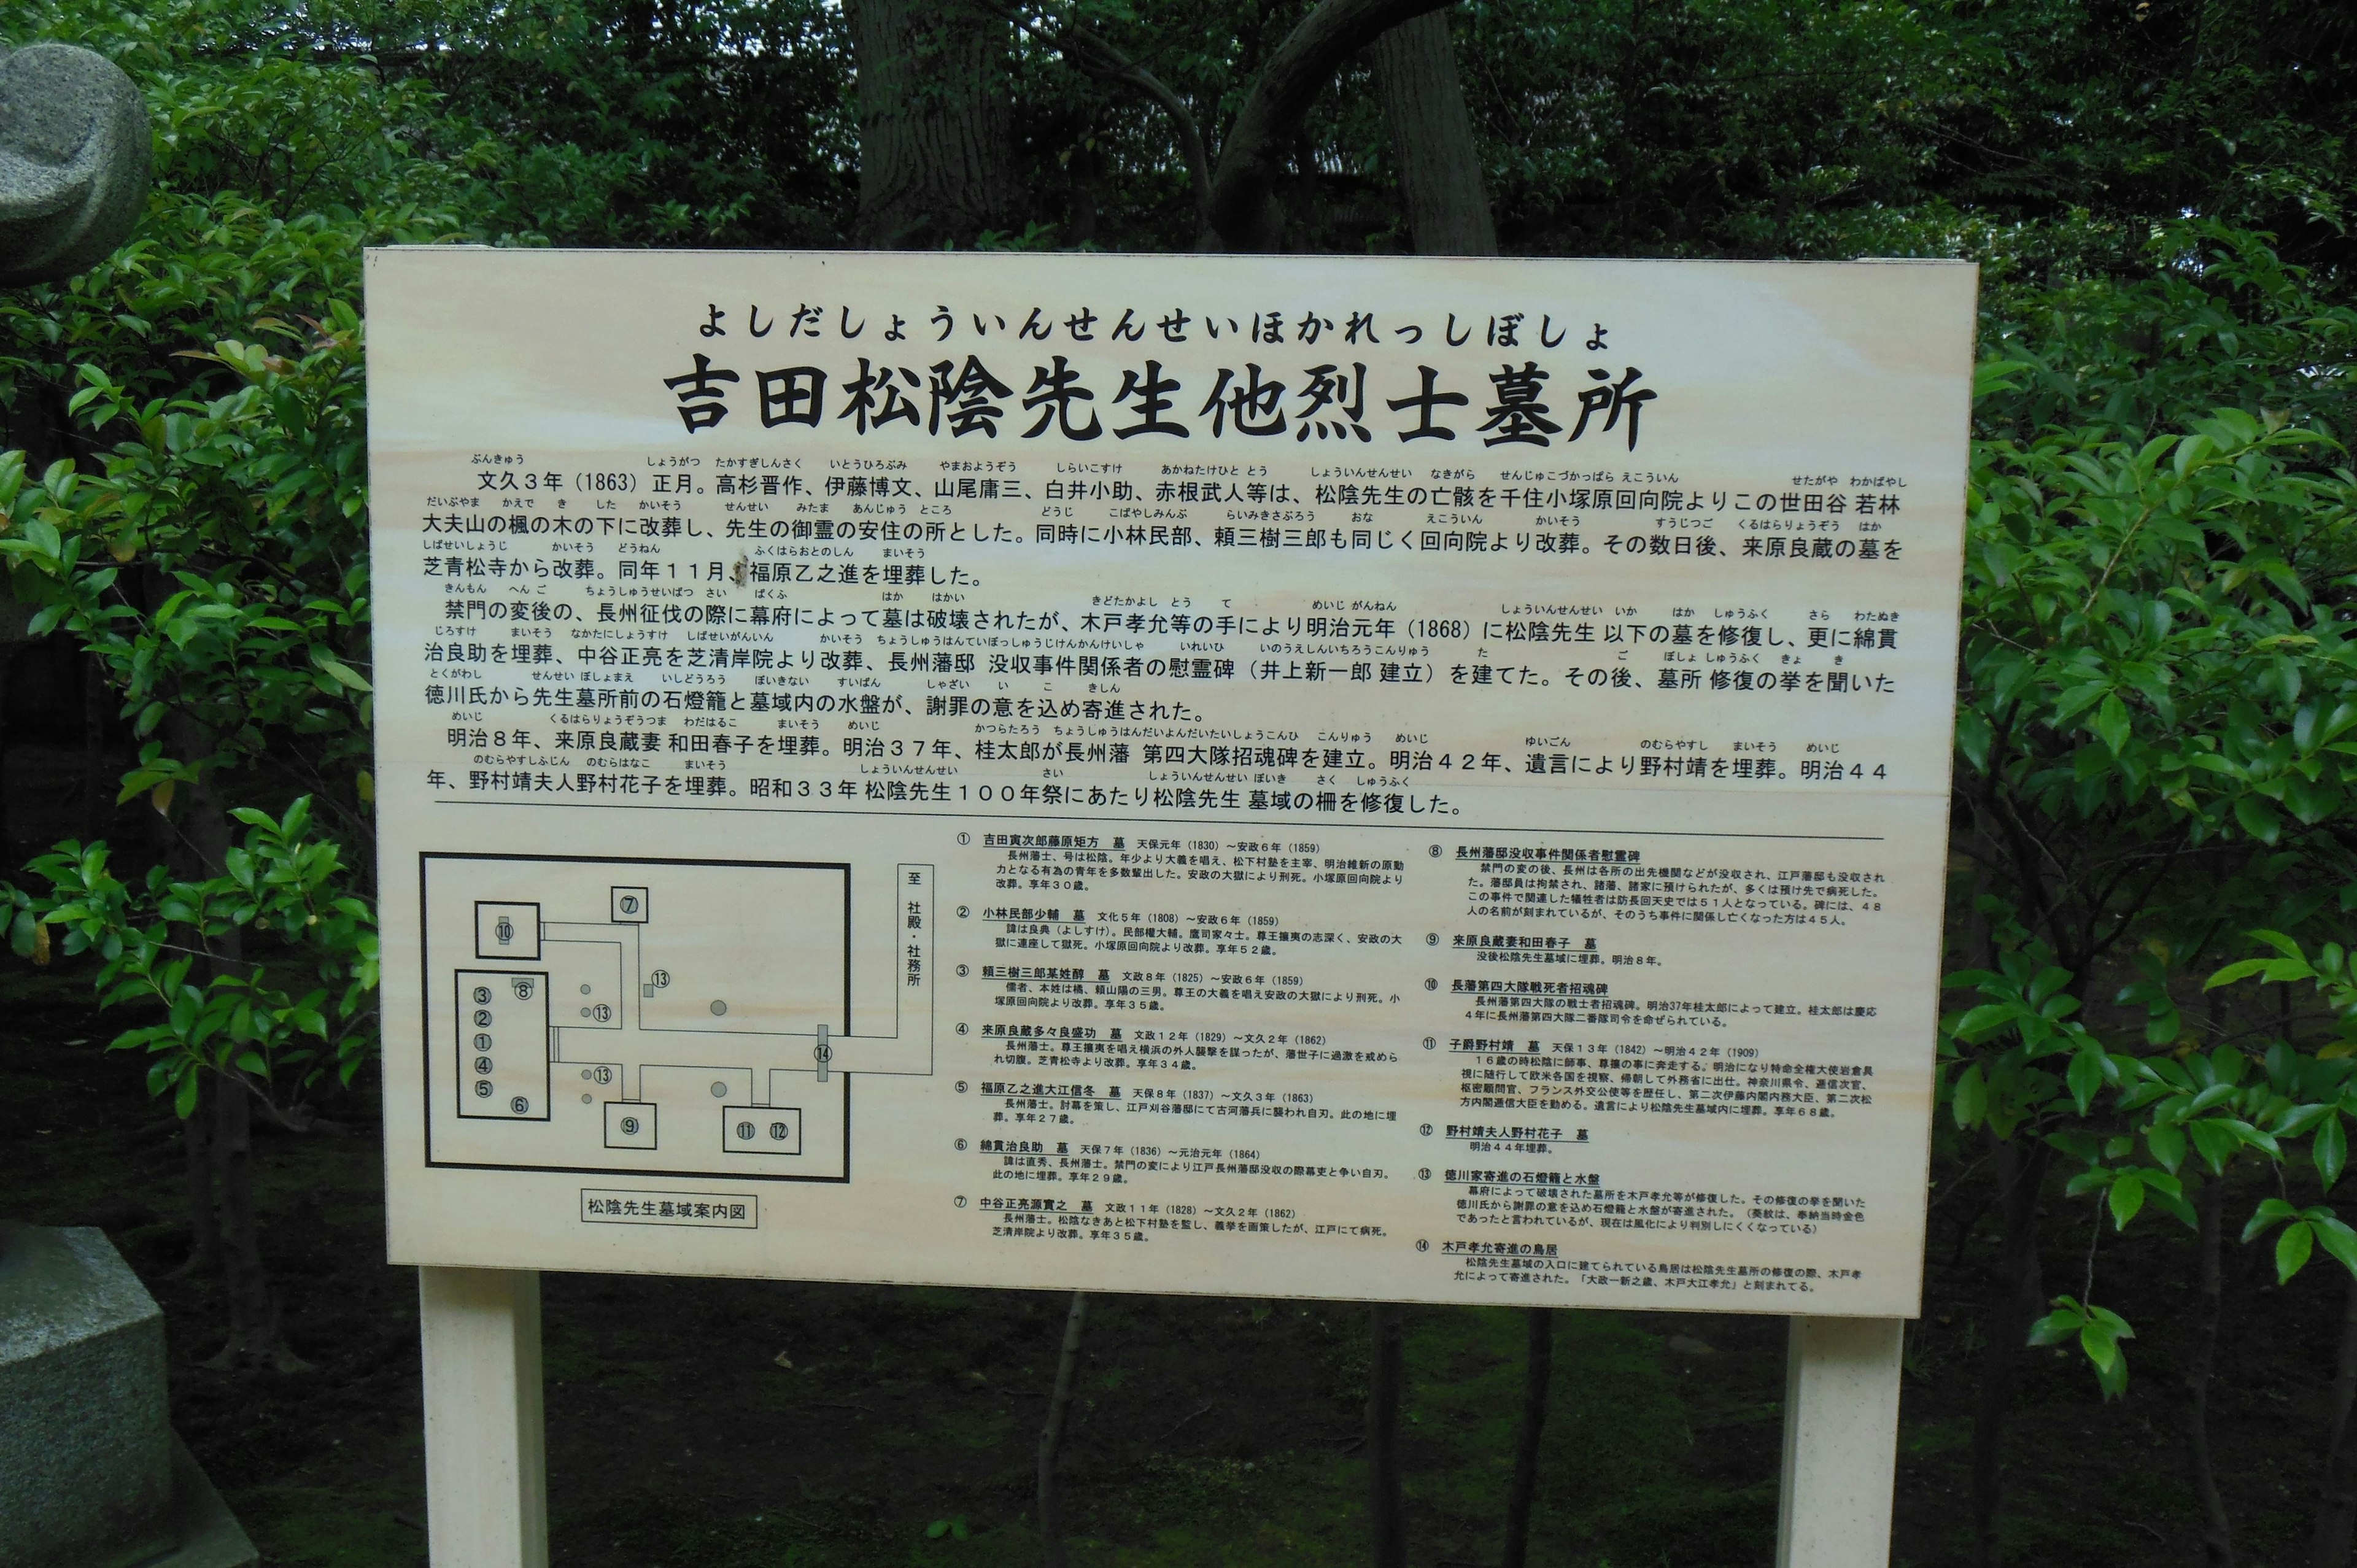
(90, 1472)
(86, 1443)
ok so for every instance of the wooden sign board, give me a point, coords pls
(1348, 778)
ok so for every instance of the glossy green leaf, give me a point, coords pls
(2293, 1245)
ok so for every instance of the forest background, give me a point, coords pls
(2152, 1052)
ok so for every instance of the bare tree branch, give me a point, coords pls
(1243, 209)
(1090, 54)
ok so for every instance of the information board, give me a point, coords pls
(1320, 777)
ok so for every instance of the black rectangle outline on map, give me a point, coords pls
(547, 1063)
(426, 1024)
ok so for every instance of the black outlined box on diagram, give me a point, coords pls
(508, 931)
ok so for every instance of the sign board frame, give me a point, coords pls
(508, 930)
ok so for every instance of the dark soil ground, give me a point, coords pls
(726, 1424)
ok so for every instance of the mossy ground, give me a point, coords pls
(1207, 1432)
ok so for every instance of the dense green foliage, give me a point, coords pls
(2155, 731)
(2159, 694)
(2036, 134)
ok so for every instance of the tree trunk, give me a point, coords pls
(639, 29)
(2217, 1536)
(1441, 188)
(2336, 1508)
(204, 1221)
(1386, 1511)
(249, 1289)
(1243, 211)
(201, 850)
(205, 832)
(1052, 1435)
(936, 136)
(1538, 1378)
(2014, 1303)
(8, 652)
(97, 790)
(1084, 168)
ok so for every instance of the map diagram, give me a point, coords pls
(675, 1018)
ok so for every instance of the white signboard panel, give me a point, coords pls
(1337, 777)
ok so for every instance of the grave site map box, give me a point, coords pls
(1376, 779)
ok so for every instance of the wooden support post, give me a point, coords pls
(1841, 1442)
(486, 1460)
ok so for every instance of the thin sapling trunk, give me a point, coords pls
(2336, 1508)
(97, 796)
(202, 852)
(204, 1221)
(1538, 1379)
(1386, 1511)
(1052, 1435)
(2014, 1302)
(2217, 1535)
(249, 1288)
